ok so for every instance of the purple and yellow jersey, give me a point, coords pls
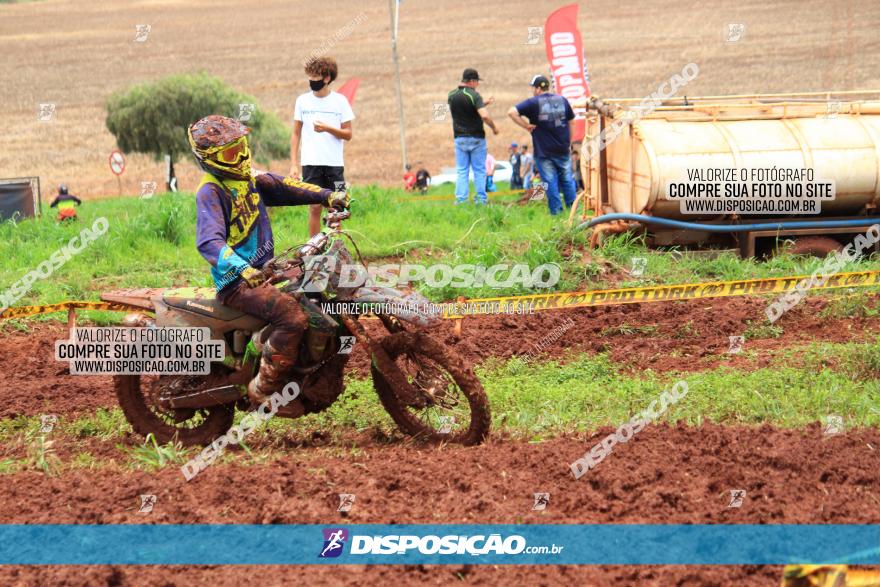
(233, 229)
(65, 202)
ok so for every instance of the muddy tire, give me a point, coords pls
(214, 421)
(429, 351)
(815, 246)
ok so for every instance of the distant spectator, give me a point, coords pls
(321, 122)
(490, 173)
(549, 118)
(536, 189)
(527, 166)
(409, 178)
(423, 180)
(66, 204)
(468, 115)
(576, 166)
(516, 182)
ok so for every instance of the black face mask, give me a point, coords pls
(316, 84)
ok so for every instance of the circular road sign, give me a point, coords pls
(117, 162)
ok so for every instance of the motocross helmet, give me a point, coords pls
(62, 190)
(220, 145)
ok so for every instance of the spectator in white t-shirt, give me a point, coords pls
(321, 121)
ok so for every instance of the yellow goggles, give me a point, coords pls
(233, 153)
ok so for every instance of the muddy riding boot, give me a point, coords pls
(275, 369)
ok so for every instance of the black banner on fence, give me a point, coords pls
(19, 198)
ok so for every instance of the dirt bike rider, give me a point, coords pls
(66, 204)
(234, 235)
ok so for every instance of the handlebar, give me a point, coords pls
(333, 219)
(275, 267)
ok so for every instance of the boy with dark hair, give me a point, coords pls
(321, 122)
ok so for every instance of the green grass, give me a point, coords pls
(9, 466)
(802, 385)
(852, 305)
(85, 460)
(589, 391)
(151, 455)
(628, 330)
(41, 454)
(675, 266)
(104, 424)
(762, 329)
(151, 243)
(13, 427)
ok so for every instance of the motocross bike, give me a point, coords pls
(429, 392)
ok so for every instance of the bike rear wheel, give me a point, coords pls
(450, 404)
(194, 427)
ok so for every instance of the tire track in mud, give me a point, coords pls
(668, 474)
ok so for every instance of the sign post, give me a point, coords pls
(394, 5)
(117, 166)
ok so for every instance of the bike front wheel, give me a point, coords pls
(446, 402)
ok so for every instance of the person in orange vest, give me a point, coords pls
(66, 204)
(409, 178)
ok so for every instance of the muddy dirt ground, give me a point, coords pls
(666, 475)
(359, 575)
(687, 336)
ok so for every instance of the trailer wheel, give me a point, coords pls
(816, 246)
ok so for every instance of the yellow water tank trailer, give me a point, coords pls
(837, 136)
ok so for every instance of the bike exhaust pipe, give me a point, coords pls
(206, 398)
(138, 320)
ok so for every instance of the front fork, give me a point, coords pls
(380, 358)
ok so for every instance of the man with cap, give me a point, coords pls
(469, 112)
(549, 118)
(515, 177)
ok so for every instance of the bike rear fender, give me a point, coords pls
(411, 307)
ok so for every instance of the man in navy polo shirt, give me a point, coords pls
(549, 118)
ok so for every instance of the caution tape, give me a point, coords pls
(640, 295)
(828, 576)
(557, 301)
(25, 311)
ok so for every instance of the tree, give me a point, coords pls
(153, 117)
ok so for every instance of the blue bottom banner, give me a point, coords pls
(523, 544)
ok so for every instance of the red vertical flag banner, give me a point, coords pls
(565, 52)
(349, 89)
